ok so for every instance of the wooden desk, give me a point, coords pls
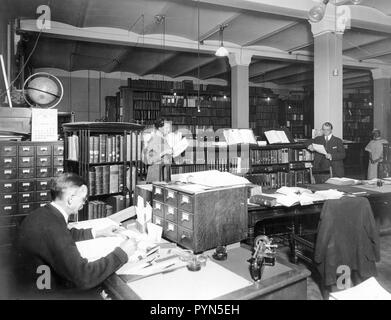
(379, 198)
(283, 281)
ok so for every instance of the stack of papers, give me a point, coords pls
(293, 190)
(368, 290)
(343, 181)
(329, 194)
(211, 178)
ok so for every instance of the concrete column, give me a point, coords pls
(328, 68)
(382, 101)
(239, 90)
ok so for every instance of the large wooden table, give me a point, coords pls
(282, 281)
(379, 198)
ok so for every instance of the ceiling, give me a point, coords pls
(245, 28)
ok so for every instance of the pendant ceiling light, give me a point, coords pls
(317, 12)
(221, 51)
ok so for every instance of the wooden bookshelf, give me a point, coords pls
(182, 103)
(264, 110)
(109, 169)
(357, 118)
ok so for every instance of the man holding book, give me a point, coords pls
(329, 154)
(46, 243)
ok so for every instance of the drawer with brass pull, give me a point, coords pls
(8, 173)
(185, 219)
(185, 202)
(44, 172)
(8, 162)
(43, 184)
(26, 173)
(8, 209)
(170, 231)
(44, 150)
(8, 186)
(170, 213)
(26, 150)
(8, 198)
(44, 161)
(26, 162)
(158, 208)
(26, 196)
(26, 185)
(8, 150)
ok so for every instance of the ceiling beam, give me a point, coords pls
(364, 84)
(262, 66)
(271, 34)
(284, 72)
(115, 36)
(357, 80)
(215, 29)
(300, 47)
(355, 75)
(195, 67)
(166, 58)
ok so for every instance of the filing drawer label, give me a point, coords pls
(7, 171)
(25, 195)
(8, 196)
(43, 170)
(43, 194)
(26, 171)
(8, 185)
(170, 210)
(26, 206)
(43, 160)
(25, 160)
(170, 194)
(7, 208)
(8, 160)
(26, 149)
(26, 184)
(185, 216)
(43, 148)
(170, 227)
(158, 221)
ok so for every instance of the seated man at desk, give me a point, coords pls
(335, 152)
(45, 240)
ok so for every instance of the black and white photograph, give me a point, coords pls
(189, 154)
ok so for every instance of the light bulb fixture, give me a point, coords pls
(317, 12)
(356, 1)
(221, 51)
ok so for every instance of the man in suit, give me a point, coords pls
(335, 152)
(45, 240)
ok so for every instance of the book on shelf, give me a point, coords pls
(279, 179)
(99, 209)
(107, 179)
(73, 148)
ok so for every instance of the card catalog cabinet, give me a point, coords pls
(26, 169)
(203, 220)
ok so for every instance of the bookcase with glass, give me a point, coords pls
(108, 156)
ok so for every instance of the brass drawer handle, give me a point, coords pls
(26, 195)
(7, 208)
(44, 149)
(7, 171)
(26, 184)
(26, 206)
(170, 194)
(7, 149)
(158, 191)
(8, 160)
(185, 199)
(158, 206)
(25, 159)
(170, 211)
(26, 171)
(44, 159)
(8, 185)
(170, 227)
(185, 217)
(26, 148)
(43, 194)
(8, 196)
(43, 170)
(158, 221)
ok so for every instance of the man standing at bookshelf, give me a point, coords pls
(157, 153)
(331, 160)
(45, 240)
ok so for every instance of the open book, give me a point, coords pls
(177, 143)
(237, 136)
(276, 136)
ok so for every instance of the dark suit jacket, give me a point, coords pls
(44, 239)
(347, 235)
(335, 147)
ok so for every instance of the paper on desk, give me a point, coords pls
(367, 290)
(329, 194)
(210, 282)
(123, 215)
(319, 148)
(95, 249)
(293, 190)
(96, 224)
(213, 178)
